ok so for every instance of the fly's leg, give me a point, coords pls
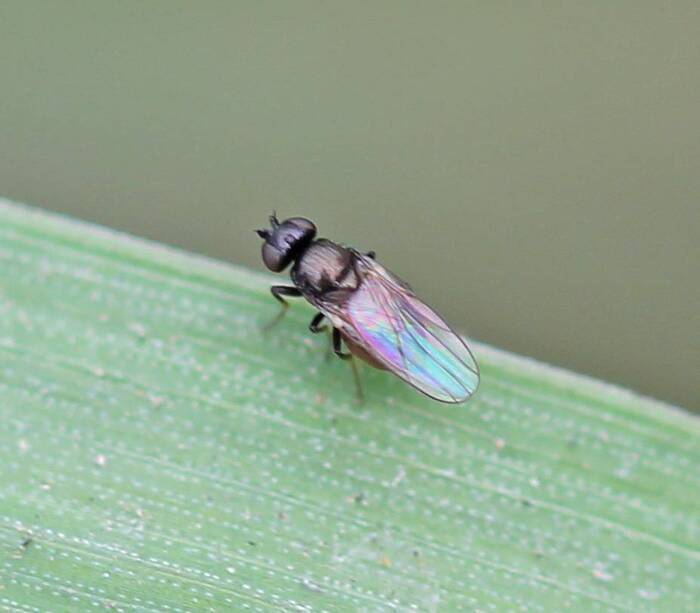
(278, 291)
(338, 350)
(371, 255)
(338, 347)
(315, 327)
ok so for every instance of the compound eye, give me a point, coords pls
(273, 258)
(303, 228)
(285, 241)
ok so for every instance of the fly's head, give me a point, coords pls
(285, 241)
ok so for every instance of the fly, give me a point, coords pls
(374, 313)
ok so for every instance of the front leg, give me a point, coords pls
(278, 291)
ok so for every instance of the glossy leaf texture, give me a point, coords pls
(158, 452)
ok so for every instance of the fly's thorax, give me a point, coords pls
(325, 267)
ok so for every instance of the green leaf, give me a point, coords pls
(158, 452)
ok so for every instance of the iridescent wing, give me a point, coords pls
(409, 338)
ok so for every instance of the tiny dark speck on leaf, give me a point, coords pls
(526, 503)
(359, 498)
(26, 542)
(252, 543)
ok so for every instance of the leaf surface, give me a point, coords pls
(158, 452)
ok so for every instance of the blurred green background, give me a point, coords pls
(531, 168)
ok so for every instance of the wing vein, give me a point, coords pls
(409, 338)
(403, 313)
